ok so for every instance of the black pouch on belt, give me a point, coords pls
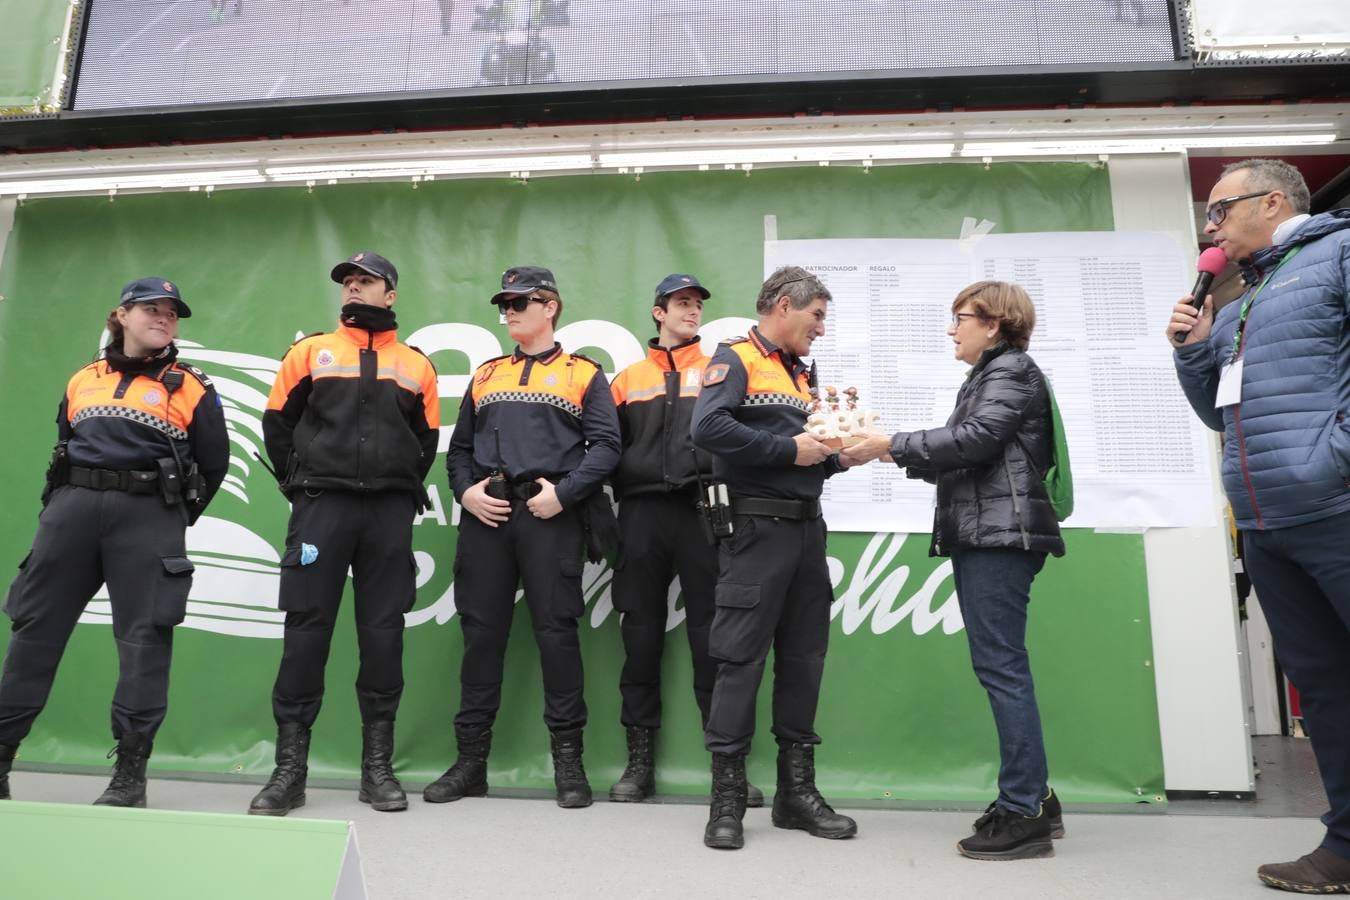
(602, 528)
(170, 481)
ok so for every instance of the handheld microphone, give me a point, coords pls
(1210, 264)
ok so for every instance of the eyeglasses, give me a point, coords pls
(519, 304)
(957, 317)
(1218, 211)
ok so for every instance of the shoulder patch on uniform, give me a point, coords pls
(733, 340)
(196, 373)
(716, 374)
(487, 367)
(587, 359)
(307, 337)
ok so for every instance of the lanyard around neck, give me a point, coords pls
(1247, 303)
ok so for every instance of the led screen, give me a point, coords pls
(165, 53)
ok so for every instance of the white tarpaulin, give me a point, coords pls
(1238, 25)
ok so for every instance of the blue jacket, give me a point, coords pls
(1286, 458)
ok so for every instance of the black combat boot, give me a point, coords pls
(285, 790)
(468, 776)
(379, 786)
(724, 830)
(798, 804)
(127, 787)
(569, 775)
(639, 778)
(754, 797)
(7, 752)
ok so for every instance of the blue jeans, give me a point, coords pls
(1302, 578)
(993, 588)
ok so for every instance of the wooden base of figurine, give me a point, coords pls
(839, 443)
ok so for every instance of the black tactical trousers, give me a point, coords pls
(85, 538)
(546, 557)
(773, 590)
(329, 532)
(661, 535)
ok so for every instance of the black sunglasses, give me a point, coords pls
(519, 304)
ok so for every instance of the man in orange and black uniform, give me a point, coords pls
(351, 428)
(773, 585)
(661, 532)
(536, 437)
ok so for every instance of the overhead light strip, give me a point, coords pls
(425, 166)
(143, 172)
(761, 155)
(1139, 145)
(95, 184)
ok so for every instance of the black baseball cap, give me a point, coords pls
(524, 279)
(677, 282)
(371, 263)
(152, 287)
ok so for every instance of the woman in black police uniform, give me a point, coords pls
(141, 449)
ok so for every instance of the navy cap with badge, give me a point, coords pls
(677, 282)
(519, 280)
(369, 262)
(152, 287)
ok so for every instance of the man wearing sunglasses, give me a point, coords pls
(1272, 371)
(536, 437)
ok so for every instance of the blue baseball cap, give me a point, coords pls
(371, 263)
(519, 280)
(152, 287)
(677, 282)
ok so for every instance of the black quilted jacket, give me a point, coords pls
(989, 460)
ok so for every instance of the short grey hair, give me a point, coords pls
(1274, 175)
(801, 287)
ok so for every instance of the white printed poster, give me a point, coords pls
(1140, 456)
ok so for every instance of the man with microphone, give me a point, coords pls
(1272, 371)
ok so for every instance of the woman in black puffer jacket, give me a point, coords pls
(994, 520)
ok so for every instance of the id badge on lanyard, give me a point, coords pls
(1229, 392)
(1230, 384)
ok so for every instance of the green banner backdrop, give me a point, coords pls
(901, 714)
(30, 46)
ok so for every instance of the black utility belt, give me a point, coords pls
(523, 490)
(114, 480)
(800, 510)
(683, 495)
(527, 489)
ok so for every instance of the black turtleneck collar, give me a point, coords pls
(369, 318)
(544, 356)
(118, 361)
